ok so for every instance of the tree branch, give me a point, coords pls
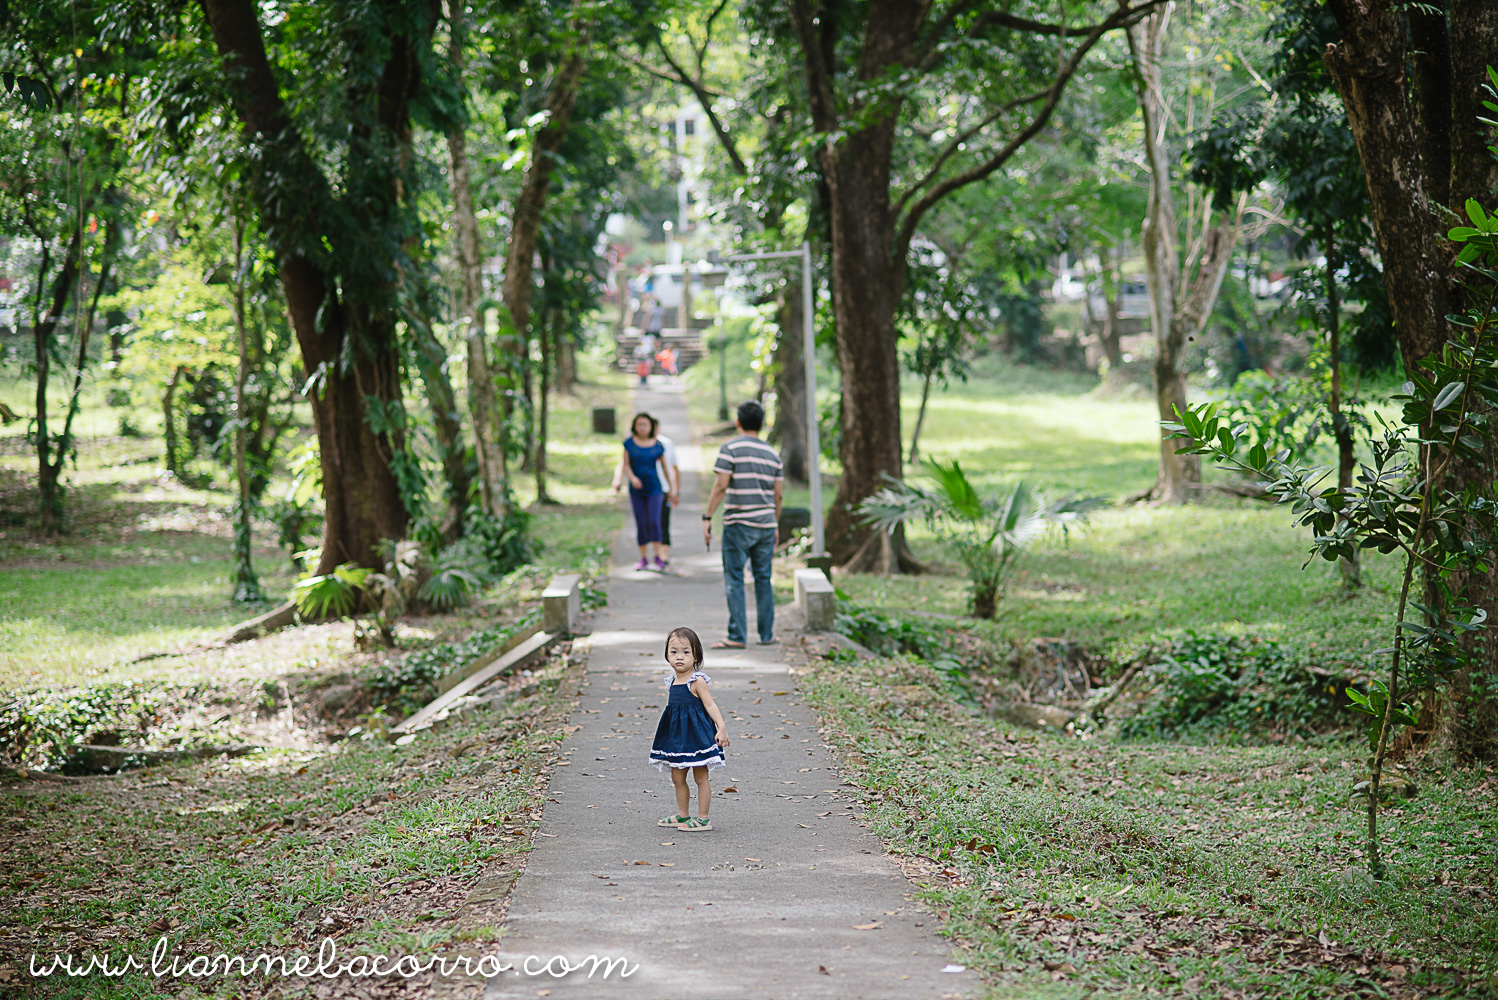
(818, 69)
(1123, 17)
(702, 94)
(961, 138)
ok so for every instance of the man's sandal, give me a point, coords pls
(695, 825)
(673, 822)
(727, 645)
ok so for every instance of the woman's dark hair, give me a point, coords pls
(692, 640)
(751, 416)
(654, 423)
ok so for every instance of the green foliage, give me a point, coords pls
(457, 574)
(987, 532)
(408, 681)
(336, 593)
(888, 635)
(1375, 705)
(41, 729)
(1229, 687)
(505, 543)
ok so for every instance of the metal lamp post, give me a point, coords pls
(809, 355)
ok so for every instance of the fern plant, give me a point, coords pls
(988, 532)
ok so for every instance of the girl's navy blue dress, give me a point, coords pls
(686, 736)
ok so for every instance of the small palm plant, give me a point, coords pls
(988, 532)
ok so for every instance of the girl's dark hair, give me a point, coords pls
(692, 640)
(654, 423)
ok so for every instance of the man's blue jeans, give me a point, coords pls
(740, 542)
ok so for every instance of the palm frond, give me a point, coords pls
(962, 497)
(332, 594)
(898, 504)
(449, 586)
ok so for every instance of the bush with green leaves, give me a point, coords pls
(409, 681)
(41, 729)
(988, 533)
(1235, 688)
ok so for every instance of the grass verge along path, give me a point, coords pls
(1066, 867)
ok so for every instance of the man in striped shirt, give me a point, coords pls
(749, 483)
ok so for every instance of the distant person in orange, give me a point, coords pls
(667, 356)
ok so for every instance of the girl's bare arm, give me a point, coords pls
(699, 688)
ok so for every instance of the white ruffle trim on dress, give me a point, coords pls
(712, 764)
(696, 675)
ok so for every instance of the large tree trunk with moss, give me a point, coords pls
(868, 272)
(1407, 131)
(348, 348)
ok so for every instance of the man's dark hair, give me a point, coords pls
(751, 416)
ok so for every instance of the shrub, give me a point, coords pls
(1230, 687)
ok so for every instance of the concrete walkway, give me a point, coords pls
(765, 905)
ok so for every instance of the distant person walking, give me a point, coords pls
(643, 462)
(667, 356)
(673, 497)
(750, 480)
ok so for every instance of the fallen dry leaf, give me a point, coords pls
(668, 864)
(1065, 967)
(751, 859)
(780, 693)
(869, 927)
(803, 826)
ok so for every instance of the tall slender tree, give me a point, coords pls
(872, 72)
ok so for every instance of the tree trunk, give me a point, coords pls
(566, 352)
(865, 294)
(1110, 338)
(43, 330)
(431, 359)
(1351, 571)
(168, 414)
(920, 418)
(1179, 306)
(483, 406)
(1399, 131)
(348, 348)
(246, 584)
(547, 332)
(525, 226)
(791, 410)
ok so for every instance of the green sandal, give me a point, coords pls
(673, 822)
(695, 825)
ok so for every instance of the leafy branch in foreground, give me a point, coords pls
(1400, 501)
(987, 532)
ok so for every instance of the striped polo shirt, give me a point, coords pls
(753, 468)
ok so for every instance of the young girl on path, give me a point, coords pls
(691, 734)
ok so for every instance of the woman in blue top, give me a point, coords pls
(644, 462)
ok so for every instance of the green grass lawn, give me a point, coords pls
(146, 565)
(1133, 571)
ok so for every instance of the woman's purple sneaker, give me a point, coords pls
(661, 565)
(644, 564)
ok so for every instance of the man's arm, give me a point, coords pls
(779, 493)
(720, 489)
